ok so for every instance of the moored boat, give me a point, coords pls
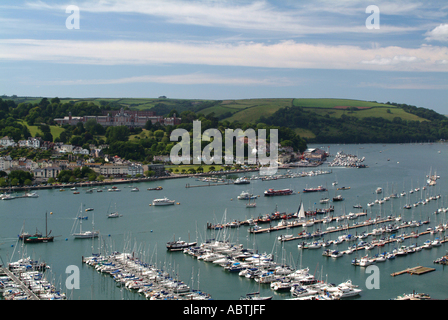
(272, 192)
(163, 202)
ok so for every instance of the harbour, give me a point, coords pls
(146, 230)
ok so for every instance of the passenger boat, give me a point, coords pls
(163, 202)
(318, 189)
(272, 192)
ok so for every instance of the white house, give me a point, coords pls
(7, 142)
(5, 163)
(33, 143)
(79, 150)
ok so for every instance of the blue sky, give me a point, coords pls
(225, 49)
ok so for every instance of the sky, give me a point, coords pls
(224, 49)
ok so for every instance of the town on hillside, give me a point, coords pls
(66, 158)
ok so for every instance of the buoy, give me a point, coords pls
(12, 245)
(178, 203)
(231, 199)
(51, 213)
(149, 204)
(109, 235)
(151, 230)
(66, 239)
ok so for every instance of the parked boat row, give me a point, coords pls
(265, 271)
(133, 274)
(347, 160)
(9, 196)
(27, 281)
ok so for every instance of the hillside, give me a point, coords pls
(316, 120)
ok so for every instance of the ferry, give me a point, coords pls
(163, 202)
(318, 189)
(272, 192)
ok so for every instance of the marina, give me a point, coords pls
(272, 227)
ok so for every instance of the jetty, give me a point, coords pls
(208, 184)
(318, 221)
(415, 270)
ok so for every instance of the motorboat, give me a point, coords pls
(345, 292)
(314, 245)
(246, 196)
(163, 202)
(336, 254)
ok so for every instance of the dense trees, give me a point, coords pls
(350, 129)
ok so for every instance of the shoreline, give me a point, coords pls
(135, 180)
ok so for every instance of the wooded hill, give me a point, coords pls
(315, 120)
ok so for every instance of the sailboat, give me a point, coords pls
(114, 214)
(251, 205)
(38, 237)
(84, 234)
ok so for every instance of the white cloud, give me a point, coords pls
(287, 54)
(301, 19)
(183, 79)
(440, 33)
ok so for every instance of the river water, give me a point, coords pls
(146, 229)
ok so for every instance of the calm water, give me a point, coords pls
(146, 229)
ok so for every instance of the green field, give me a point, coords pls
(55, 130)
(250, 110)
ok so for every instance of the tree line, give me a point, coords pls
(350, 129)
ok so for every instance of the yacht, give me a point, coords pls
(163, 202)
(86, 234)
(345, 292)
(31, 195)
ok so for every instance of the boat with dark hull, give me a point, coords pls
(273, 193)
